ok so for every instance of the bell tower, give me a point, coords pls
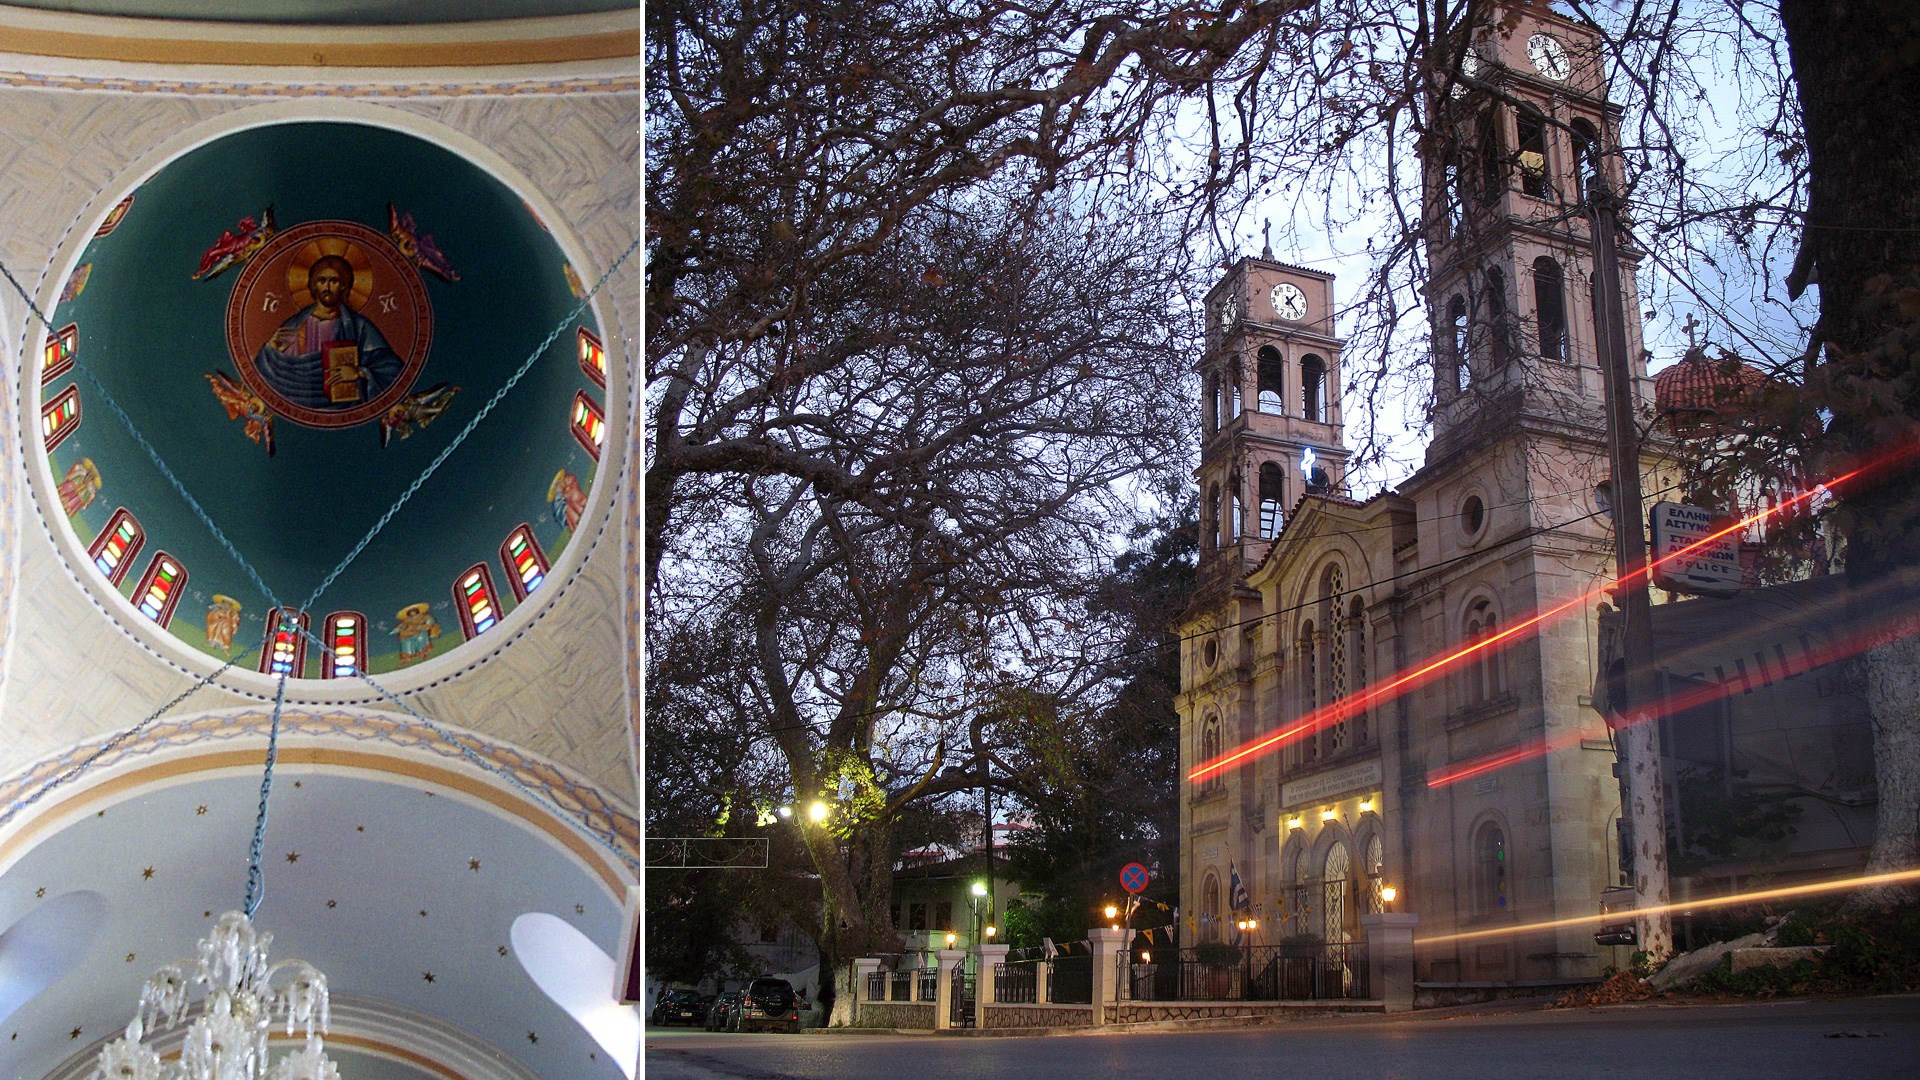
(1527, 128)
(1270, 409)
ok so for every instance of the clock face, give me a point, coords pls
(1289, 302)
(1469, 68)
(1549, 56)
(1229, 311)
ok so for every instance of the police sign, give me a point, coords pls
(1712, 567)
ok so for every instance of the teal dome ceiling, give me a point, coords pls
(298, 319)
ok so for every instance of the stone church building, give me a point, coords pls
(1483, 789)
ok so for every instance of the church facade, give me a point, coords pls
(1336, 738)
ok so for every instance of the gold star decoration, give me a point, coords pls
(532, 1038)
(147, 874)
(293, 856)
(40, 892)
(473, 865)
(333, 903)
(129, 958)
(102, 813)
(206, 914)
(359, 828)
(427, 975)
(579, 909)
(503, 950)
(423, 913)
(200, 811)
(296, 783)
(74, 1034)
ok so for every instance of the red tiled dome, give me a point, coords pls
(1698, 384)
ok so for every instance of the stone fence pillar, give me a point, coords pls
(943, 987)
(1390, 958)
(863, 968)
(1108, 947)
(991, 957)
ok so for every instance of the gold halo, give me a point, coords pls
(229, 601)
(412, 611)
(319, 247)
(554, 488)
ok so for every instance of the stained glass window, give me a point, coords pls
(60, 417)
(1335, 887)
(478, 603)
(61, 345)
(589, 424)
(343, 645)
(284, 652)
(593, 357)
(159, 590)
(526, 564)
(113, 550)
(1490, 857)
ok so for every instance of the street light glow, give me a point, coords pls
(979, 888)
(818, 811)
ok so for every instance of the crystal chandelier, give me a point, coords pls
(227, 1040)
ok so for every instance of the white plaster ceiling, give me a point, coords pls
(403, 891)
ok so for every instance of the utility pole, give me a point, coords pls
(1636, 739)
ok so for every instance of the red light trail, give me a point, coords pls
(1336, 711)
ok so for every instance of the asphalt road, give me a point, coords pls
(1854, 1039)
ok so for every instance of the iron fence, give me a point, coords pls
(1016, 983)
(901, 986)
(961, 1006)
(929, 983)
(1070, 980)
(876, 986)
(1267, 973)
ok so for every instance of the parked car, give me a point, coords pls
(721, 1011)
(766, 1004)
(680, 1007)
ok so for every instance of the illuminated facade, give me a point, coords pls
(1307, 597)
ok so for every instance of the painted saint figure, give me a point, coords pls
(567, 499)
(223, 618)
(79, 486)
(328, 356)
(416, 631)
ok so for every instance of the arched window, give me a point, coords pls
(1338, 735)
(1210, 528)
(1498, 343)
(1210, 748)
(1450, 196)
(1334, 885)
(1233, 380)
(1210, 407)
(1532, 131)
(1491, 870)
(1234, 518)
(1483, 666)
(1586, 158)
(1272, 377)
(1273, 495)
(1461, 350)
(1302, 893)
(1357, 631)
(1493, 179)
(1376, 863)
(1210, 908)
(1310, 688)
(1313, 388)
(1549, 303)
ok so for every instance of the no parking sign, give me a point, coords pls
(1133, 877)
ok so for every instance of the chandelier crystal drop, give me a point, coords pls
(227, 1039)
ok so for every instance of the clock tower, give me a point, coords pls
(1508, 236)
(1269, 411)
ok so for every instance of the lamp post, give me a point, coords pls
(1246, 927)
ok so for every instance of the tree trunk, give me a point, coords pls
(1851, 62)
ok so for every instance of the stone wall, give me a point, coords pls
(910, 1015)
(1039, 1016)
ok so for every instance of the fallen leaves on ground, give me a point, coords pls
(1619, 987)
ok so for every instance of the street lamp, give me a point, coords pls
(1387, 893)
(818, 811)
(1113, 913)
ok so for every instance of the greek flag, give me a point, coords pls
(1237, 895)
